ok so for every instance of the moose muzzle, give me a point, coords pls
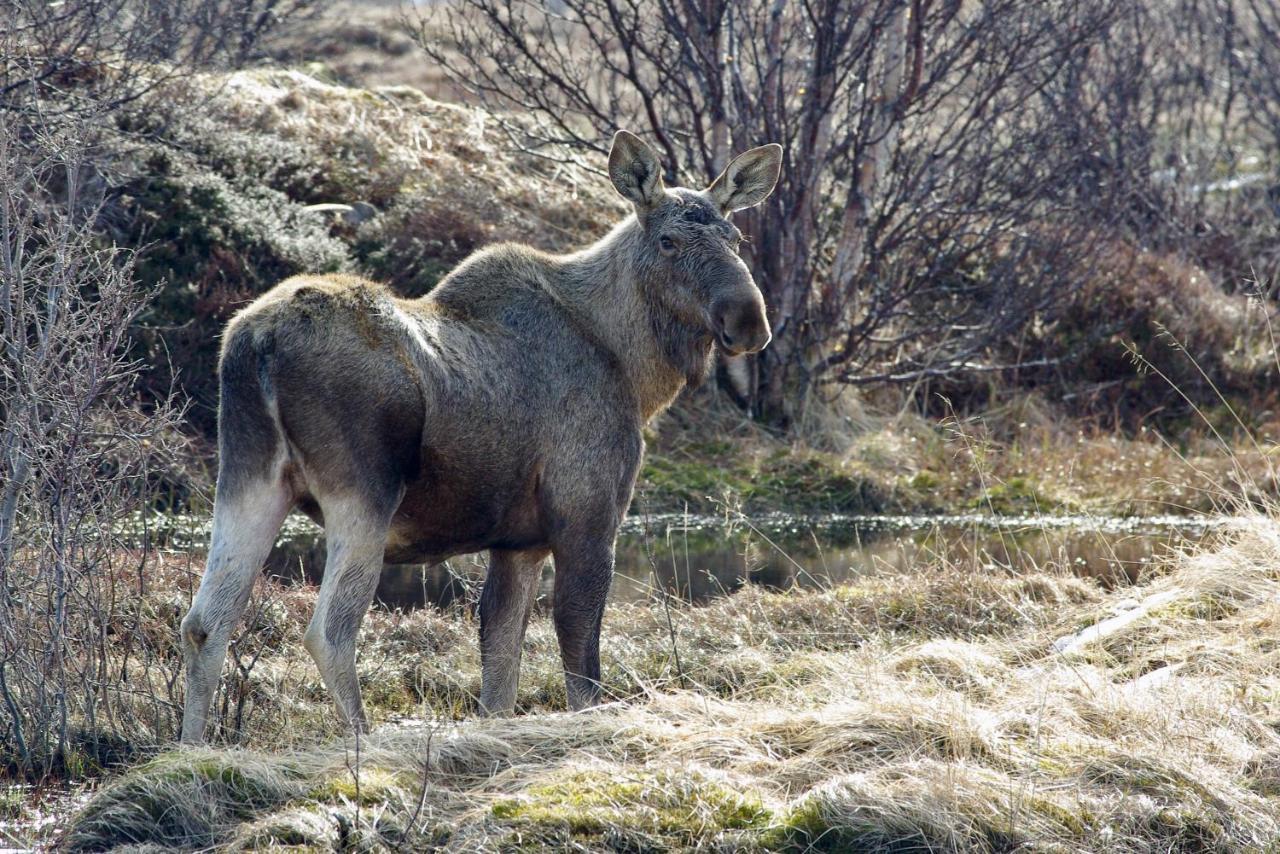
(741, 325)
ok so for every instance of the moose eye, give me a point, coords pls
(666, 244)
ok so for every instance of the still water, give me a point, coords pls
(699, 558)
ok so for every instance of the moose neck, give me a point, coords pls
(657, 350)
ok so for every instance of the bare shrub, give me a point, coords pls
(1175, 113)
(1251, 36)
(921, 164)
(953, 174)
(75, 58)
(77, 455)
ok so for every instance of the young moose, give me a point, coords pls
(502, 411)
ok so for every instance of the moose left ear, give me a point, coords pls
(748, 180)
(635, 171)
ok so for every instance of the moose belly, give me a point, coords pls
(438, 519)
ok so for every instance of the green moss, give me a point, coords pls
(925, 481)
(1207, 605)
(677, 807)
(808, 483)
(820, 823)
(1018, 495)
(707, 475)
(375, 786)
(808, 827)
(299, 829)
(1076, 823)
(676, 483)
(803, 820)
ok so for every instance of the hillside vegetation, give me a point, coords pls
(278, 172)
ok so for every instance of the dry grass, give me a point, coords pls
(917, 713)
(398, 137)
(1025, 457)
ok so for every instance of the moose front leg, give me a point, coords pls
(584, 569)
(509, 590)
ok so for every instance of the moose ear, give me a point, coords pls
(635, 171)
(748, 180)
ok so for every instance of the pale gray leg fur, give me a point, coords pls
(244, 528)
(355, 539)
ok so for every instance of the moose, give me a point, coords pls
(502, 411)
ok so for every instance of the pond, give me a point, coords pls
(698, 558)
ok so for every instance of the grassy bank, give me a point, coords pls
(951, 709)
(1023, 456)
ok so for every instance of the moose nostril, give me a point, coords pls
(722, 322)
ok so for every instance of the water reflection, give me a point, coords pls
(698, 559)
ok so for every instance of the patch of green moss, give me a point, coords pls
(1076, 823)
(810, 484)
(925, 481)
(804, 823)
(677, 807)
(814, 825)
(375, 786)
(299, 829)
(707, 475)
(673, 484)
(808, 827)
(1017, 495)
(1207, 605)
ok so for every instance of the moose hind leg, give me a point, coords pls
(584, 569)
(246, 520)
(505, 604)
(355, 536)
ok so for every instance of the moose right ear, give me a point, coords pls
(748, 180)
(635, 171)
